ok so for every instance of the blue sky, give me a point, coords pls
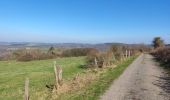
(84, 21)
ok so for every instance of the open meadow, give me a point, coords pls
(40, 74)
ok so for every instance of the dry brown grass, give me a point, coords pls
(80, 81)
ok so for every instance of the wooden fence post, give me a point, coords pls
(126, 53)
(95, 62)
(103, 62)
(122, 57)
(58, 76)
(26, 94)
(129, 53)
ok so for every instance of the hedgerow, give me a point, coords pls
(163, 55)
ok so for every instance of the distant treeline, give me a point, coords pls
(39, 54)
(30, 54)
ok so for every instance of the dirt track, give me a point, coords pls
(142, 80)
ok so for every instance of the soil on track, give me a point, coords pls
(144, 79)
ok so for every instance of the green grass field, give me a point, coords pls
(40, 74)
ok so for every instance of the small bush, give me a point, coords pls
(75, 52)
(103, 58)
(91, 56)
(163, 55)
(33, 54)
(25, 57)
(117, 52)
(6, 56)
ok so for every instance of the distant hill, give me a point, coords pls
(101, 46)
(168, 45)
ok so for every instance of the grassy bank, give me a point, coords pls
(95, 89)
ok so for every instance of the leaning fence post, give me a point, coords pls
(59, 74)
(26, 94)
(56, 77)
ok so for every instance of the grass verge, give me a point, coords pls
(95, 89)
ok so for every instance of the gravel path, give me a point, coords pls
(142, 80)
